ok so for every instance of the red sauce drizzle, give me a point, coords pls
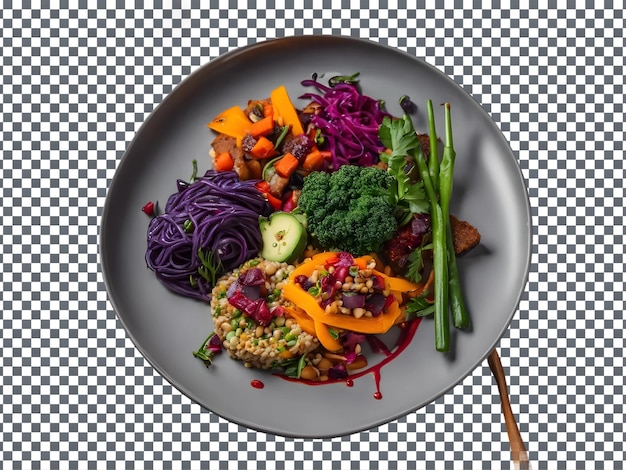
(406, 335)
(257, 384)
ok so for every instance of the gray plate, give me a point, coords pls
(489, 191)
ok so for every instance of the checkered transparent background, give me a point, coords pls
(78, 79)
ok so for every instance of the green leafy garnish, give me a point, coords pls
(188, 226)
(399, 136)
(314, 291)
(349, 79)
(420, 306)
(415, 264)
(210, 269)
(203, 353)
(194, 171)
(283, 133)
(293, 367)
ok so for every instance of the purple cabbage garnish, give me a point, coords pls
(256, 309)
(329, 286)
(348, 121)
(352, 300)
(304, 282)
(349, 343)
(346, 260)
(252, 277)
(214, 345)
(251, 292)
(377, 345)
(375, 303)
(338, 371)
(234, 287)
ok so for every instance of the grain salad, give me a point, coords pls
(263, 339)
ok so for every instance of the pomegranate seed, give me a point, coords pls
(148, 209)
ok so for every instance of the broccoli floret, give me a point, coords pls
(349, 210)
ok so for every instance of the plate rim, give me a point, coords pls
(171, 96)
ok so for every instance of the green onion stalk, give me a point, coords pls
(437, 177)
(440, 257)
(433, 159)
(460, 315)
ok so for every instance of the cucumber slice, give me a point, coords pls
(284, 237)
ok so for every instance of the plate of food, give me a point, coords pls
(313, 236)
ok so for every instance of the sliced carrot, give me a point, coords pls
(286, 165)
(263, 126)
(223, 162)
(313, 161)
(284, 108)
(264, 148)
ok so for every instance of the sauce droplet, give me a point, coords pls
(257, 384)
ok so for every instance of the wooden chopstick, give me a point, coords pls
(518, 449)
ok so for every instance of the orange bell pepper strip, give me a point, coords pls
(324, 337)
(374, 325)
(308, 267)
(400, 284)
(284, 108)
(370, 325)
(330, 257)
(314, 328)
(304, 321)
(232, 122)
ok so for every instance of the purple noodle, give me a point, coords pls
(224, 213)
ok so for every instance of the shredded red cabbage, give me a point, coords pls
(349, 122)
(217, 214)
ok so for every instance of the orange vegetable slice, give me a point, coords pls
(325, 338)
(373, 325)
(232, 122)
(284, 108)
